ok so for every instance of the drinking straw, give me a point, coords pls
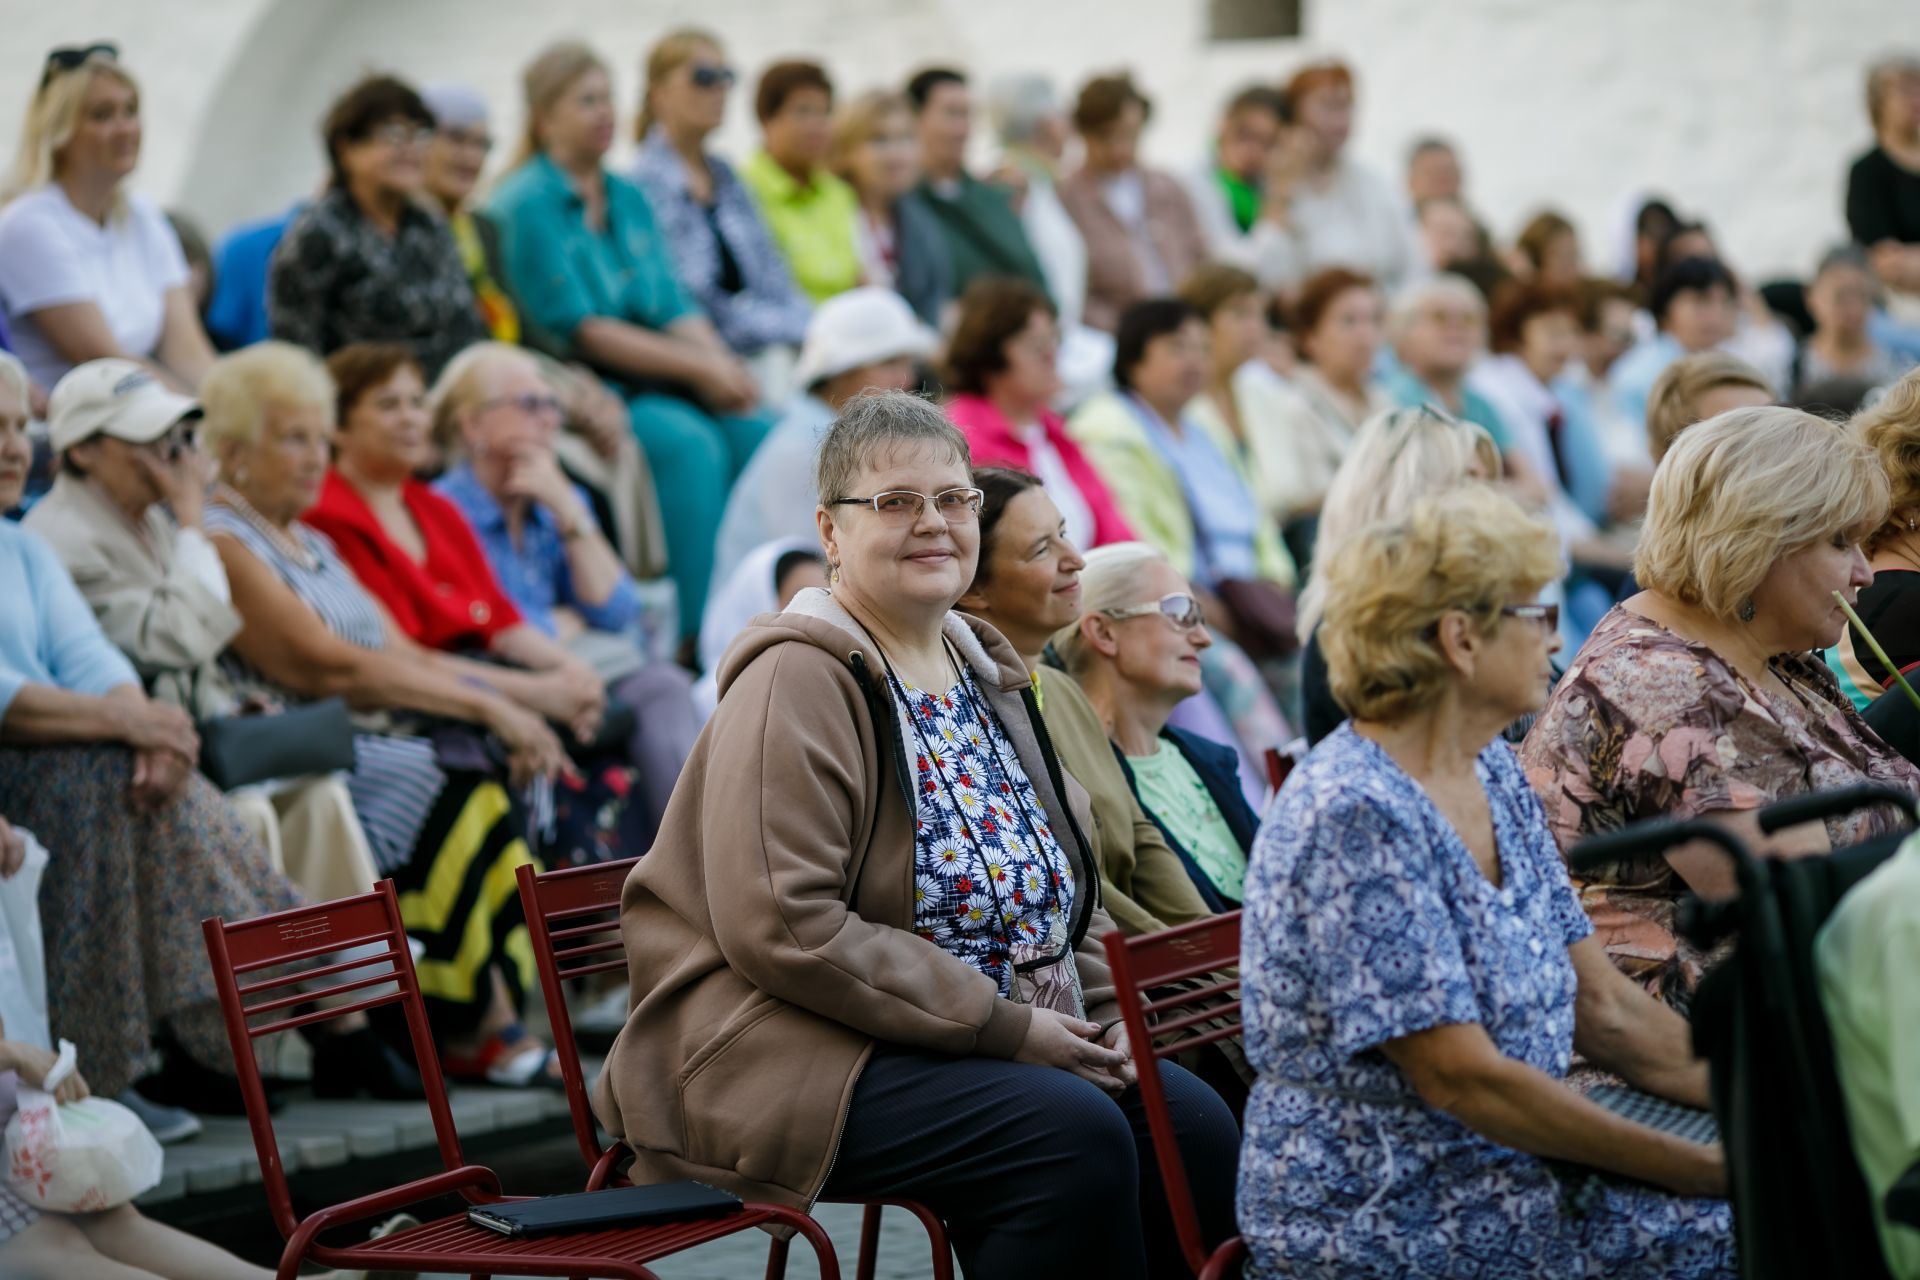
(1878, 652)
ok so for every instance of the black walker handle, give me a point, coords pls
(1826, 804)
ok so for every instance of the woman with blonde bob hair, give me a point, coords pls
(1699, 697)
(1417, 968)
(88, 269)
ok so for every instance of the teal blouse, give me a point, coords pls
(564, 272)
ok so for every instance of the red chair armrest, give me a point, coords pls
(465, 1180)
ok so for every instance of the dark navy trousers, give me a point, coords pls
(1037, 1172)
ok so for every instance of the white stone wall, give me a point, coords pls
(1745, 112)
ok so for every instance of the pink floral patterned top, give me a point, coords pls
(1647, 724)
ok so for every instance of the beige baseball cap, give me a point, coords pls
(114, 397)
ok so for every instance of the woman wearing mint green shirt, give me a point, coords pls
(581, 249)
(1136, 653)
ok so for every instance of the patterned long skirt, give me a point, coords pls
(121, 904)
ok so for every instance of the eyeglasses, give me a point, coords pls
(533, 404)
(478, 139)
(1547, 615)
(398, 134)
(956, 506)
(72, 57)
(1181, 611)
(708, 76)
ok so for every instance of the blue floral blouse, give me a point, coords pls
(1367, 919)
(760, 306)
(988, 873)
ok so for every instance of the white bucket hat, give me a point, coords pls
(113, 397)
(860, 327)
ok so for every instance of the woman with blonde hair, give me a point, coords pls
(1699, 696)
(1418, 973)
(900, 243)
(1398, 458)
(1135, 651)
(440, 824)
(89, 269)
(1890, 605)
(716, 233)
(585, 255)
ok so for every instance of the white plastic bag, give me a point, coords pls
(23, 964)
(77, 1157)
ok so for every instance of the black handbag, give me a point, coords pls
(316, 737)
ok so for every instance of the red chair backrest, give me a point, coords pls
(1171, 1022)
(366, 963)
(573, 916)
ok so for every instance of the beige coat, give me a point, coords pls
(768, 932)
(1115, 280)
(162, 605)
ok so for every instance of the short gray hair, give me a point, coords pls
(875, 420)
(1443, 287)
(1018, 103)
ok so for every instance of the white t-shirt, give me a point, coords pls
(51, 254)
(1046, 463)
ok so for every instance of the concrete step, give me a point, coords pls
(316, 1134)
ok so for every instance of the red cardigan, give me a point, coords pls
(991, 440)
(451, 600)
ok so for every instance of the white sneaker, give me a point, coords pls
(168, 1125)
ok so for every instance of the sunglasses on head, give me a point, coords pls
(70, 57)
(708, 76)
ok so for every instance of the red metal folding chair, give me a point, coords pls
(272, 951)
(1185, 1018)
(573, 916)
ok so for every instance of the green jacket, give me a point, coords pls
(1143, 884)
(1148, 492)
(983, 233)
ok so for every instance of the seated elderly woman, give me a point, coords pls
(1176, 485)
(809, 210)
(369, 261)
(709, 221)
(1417, 971)
(1004, 376)
(585, 255)
(309, 630)
(1027, 587)
(842, 981)
(125, 517)
(1136, 652)
(89, 269)
(1398, 458)
(1141, 233)
(143, 846)
(1699, 696)
(544, 549)
(1890, 605)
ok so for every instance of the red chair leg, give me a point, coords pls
(777, 1258)
(937, 1238)
(816, 1236)
(869, 1243)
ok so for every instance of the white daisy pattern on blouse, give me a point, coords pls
(988, 871)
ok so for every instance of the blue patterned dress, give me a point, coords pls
(988, 873)
(1367, 919)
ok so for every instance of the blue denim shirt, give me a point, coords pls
(534, 574)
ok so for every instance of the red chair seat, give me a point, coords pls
(431, 1245)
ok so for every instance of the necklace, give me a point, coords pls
(287, 545)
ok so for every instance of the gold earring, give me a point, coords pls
(833, 576)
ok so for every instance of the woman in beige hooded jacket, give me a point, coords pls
(865, 951)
